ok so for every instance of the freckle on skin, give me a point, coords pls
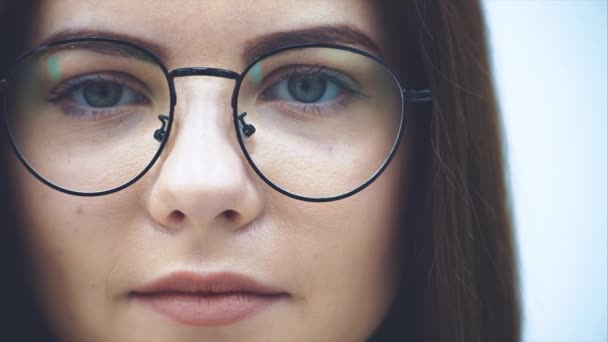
(79, 210)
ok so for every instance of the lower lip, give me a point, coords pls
(208, 310)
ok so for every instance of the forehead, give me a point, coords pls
(205, 32)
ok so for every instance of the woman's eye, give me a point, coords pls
(305, 89)
(100, 96)
(103, 94)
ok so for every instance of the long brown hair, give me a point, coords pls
(460, 280)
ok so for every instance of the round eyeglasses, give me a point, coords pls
(316, 122)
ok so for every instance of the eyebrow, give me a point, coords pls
(326, 34)
(161, 52)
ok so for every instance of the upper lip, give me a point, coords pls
(212, 283)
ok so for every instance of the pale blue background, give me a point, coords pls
(549, 60)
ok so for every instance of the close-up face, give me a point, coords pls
(202, 247)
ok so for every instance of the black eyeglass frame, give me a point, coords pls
(406, 96)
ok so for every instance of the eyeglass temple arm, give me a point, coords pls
(417, 95)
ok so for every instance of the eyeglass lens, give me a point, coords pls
(325, 119)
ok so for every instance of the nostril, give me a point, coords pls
(176, 216)
(231, 215)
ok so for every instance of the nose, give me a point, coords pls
(203, 180)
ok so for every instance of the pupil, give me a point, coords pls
(306, 88)
(102, 94)
(305, 85)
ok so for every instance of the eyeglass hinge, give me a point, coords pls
(417, 95)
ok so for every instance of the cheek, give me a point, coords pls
(347, 253)
(72, 244)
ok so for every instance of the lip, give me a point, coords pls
(207, 299)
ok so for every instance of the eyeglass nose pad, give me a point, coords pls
(247, 129)
(160, 133)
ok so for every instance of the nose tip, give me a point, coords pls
(205, 201)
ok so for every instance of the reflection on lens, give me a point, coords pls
(325, 119)
(83, 115)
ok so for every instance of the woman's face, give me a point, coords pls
(165, 259)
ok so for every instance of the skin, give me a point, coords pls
(203, 209)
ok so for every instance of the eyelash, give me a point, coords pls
(66, 88)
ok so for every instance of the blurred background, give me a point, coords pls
(550, 68)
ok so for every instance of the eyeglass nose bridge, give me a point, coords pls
(247, 129)
(201, 71)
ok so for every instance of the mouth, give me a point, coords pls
(207, 299)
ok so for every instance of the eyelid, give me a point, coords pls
(66, 87)
(285, 72)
